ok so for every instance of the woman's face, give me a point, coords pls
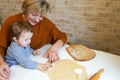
(34, 17)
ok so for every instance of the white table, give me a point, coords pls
(110, 63)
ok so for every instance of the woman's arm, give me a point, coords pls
(4, 69)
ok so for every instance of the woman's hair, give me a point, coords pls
(34, 5)
(18, 27)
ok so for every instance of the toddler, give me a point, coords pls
(19, 50)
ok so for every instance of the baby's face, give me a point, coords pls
(24, 38)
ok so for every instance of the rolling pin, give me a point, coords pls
(97, 75)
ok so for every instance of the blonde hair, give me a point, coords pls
(29, 6)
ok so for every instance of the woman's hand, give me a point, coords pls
(4, 71)
(52, 54)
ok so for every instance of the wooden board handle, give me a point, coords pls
(97, 75)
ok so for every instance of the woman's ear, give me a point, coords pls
(14, 38)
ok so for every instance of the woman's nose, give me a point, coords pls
(37, 19)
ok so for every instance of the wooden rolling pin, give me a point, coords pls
(97, 75)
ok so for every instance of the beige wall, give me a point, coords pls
(93, 23)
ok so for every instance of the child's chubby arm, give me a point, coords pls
(43, 67)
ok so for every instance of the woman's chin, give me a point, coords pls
(33, 24)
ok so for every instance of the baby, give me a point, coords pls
(19, 50)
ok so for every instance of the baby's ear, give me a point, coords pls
(14, 38)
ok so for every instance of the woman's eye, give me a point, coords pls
(34, 14)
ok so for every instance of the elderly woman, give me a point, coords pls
(44, 32)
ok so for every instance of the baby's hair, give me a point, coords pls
(18, 27)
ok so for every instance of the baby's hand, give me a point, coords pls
(43, 67)
(36, 52)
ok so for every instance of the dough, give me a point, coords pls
(66, 70)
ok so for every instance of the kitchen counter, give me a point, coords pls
(110, 63)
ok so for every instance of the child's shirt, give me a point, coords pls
(17, 55)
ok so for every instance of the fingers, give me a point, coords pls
(3, 78)
(53, 58)
(36, 53)
(52, 55)
(4, 73)
(7, 74)
(44, 67)
(7, 70)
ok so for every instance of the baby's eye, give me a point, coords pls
(26, 39)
